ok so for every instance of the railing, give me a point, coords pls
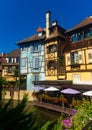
(81, 44)
(53, 107)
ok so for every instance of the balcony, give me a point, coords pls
(81, 44)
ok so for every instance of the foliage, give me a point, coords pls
(13, 118)
(58, 125)
(80, 118)
(19, 117)
(83, 115)
(22, 118)
(2, 81)
(16, 72)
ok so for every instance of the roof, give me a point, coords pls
(32, 38)
(85, 22)
(14, 53)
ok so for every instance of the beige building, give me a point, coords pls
(78, 53)
(9, 63)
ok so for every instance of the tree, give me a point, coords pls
(2, 82)
(16, 74)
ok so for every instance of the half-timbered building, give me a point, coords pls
(78, 53)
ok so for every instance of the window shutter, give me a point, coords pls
(90, 55)
(68, 59)
(80, 57)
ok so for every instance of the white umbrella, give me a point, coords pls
(88, 93)
(70, 91)
(38, 88)
(51, 89)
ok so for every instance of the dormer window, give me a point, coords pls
(39, 34)
(39, 31)
(10, 60)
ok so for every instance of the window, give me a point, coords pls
(10, 60)
(52, 48)
(51, 64)
(87, 33)
(17, 60)
(23, 62)
(9, 70)
(80, 36)
(35, 47)
(68, 59)
(23, 48)
(39, 34)
(36, 77)
(90, 56)
(35, 63)
(13, 60)
(77, 36)
(91, 31)
(74, 57)
(74, 37)
(31, 48)
(80, 57)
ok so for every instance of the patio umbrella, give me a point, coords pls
(70, 91)
(38, 88)
(88, 93)
(51, 89)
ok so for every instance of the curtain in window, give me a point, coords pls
(68, 59)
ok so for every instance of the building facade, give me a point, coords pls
(56, 56)
(32, 56)
(41, 55)
(54, 50)
(78, 53)
(10, 62)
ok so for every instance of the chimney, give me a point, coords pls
(48, 18)
(3, 53)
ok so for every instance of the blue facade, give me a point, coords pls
(32, 62)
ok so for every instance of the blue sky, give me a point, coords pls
(20, 18)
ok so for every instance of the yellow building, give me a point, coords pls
(54, 46)
(9, 63)
(78, 53)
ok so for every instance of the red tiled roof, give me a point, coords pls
(83, 23)
(14, 53)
